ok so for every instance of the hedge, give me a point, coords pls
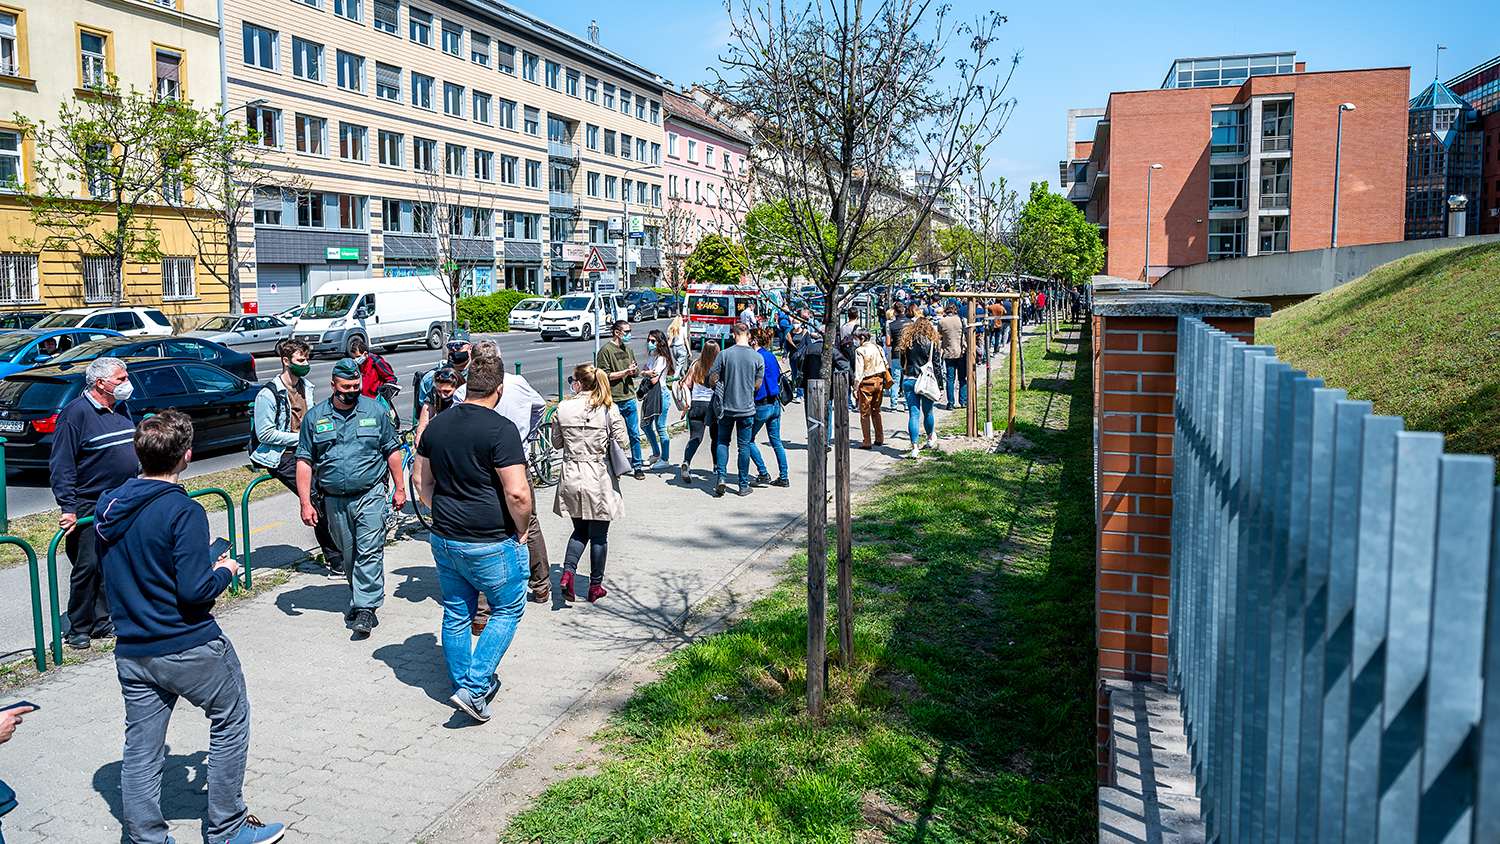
(490, 313)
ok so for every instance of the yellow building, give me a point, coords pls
(51, 51)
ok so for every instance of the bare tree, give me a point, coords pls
(460, 224)
(679, 230)
(839, 94)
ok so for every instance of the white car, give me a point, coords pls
(129, 321)
(582, 315)
(527, 314)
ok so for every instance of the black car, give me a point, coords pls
(177, 348)
(642, 304)
(220, 404)
(21, 319)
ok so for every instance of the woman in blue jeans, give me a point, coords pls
(917, 346)
(768, 410)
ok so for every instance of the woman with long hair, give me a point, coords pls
(679, 345)
(587, 493)
(659, 369)
(698, 412)
(918, 347)
(445, 383)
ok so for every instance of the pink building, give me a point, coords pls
(706, 172)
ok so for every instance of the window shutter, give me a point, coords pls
(167, 66)
(386, 12)
(387, 75)
(267, 201)
(507, 57)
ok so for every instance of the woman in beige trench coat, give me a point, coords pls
(587, 492)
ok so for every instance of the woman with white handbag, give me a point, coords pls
(920, 380)
(584, 427)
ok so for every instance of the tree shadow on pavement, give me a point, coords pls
(184, 788)
(418, 662)
(331, 596)
(415, 584)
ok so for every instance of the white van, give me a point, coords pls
(582, 315)
(383, 311)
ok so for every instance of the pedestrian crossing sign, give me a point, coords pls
(594, 264)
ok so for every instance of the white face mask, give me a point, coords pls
(123, 391)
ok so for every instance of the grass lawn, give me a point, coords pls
(967, 712)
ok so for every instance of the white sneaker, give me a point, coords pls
(915, 453)
(932, 442)
(661, 464)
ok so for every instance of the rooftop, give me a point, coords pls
(1212, 71)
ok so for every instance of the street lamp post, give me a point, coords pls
(1338, 152)
(1148, 220)
(231, 212)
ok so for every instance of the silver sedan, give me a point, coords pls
(250, 333)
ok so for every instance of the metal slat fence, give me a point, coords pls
(1335, 610)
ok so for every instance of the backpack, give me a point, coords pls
(281, 403)
(847, 347)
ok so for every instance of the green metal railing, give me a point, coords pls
(40, 654)
(245, 512)
(52, 582)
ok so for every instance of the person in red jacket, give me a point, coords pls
(374, 372)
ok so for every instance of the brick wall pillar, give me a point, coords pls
(1135, 359)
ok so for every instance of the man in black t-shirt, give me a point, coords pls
(471, 470)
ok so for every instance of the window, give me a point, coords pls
(656, 112)
(609, 142)
(560, 179)
(454, 157)
(351, 212)
(1275, 233)
(672, 187)
(351, 72)
(571, 84)
(533, 125)
(168, 75)
(1081, 172)
(534, 174)
(352, 9)
(672, 144)
(642, 192)
(656, 195)
(307, 60)
(1275, 182)
(262, 47)
(1226, 187)
(484, 165)
(559, 130)
(11, 175)
(529, 65)
(640, 149)
(453, 39)
(609, 96)
(311, 135)
(10, 64)
(268, 207)
(420, 27)
(1227, 135)
(171, 180)
(387, 13)
(422, 152)
(1276, 126)
(505, 112)
(309, 210)
(177, 278)
(95, 61)
(18, 279)
(316, 4)
(593, 184)
(1226, 239)
(591, 136)
(519, 226)
(482, 222)
(726, 162)
(561, 228)
(421, 218)
(482, 108)
(390, 214)
(388, 82)
(508, 169)
(624, 145)
(97, 279)
(624, 102)
(554, 75)
(453, 100)
(627, 187)
(265, 123)
(479, 49)
(640, 108)
(391, 149)
(591, 89)
(505, 58)
(611, 187)
(598, 231)
(708, 157)
(421, 90)
(352, 142)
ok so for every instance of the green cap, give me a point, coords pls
(459, 335)
(346, 368)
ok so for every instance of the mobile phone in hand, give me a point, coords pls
(218, 549)
(20, 704)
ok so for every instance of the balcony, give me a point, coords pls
(560, 151)
(565, 203)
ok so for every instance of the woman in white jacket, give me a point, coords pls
(587, 491)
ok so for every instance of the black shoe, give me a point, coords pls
(719, 490)
(743, 491)
(364, 621)
(78, 641)
(761, 480)
(349, 615)
(336, 571)
(781, 482)
(640, 474)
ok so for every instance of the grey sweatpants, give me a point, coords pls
(209, 677)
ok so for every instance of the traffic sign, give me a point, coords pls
(594, 263)
(606, 285)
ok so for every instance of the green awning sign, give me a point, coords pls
(342, 253)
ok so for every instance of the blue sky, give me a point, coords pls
(1075, 53)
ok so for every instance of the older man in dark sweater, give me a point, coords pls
(92, 451)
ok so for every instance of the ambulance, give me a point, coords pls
(712, 308)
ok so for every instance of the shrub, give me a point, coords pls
(489, 313)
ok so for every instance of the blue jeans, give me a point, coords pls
(631, 411)
(499, 570)
(768, 416)
(917, 405)
(656, 433)
(958, 370)
(742, 442)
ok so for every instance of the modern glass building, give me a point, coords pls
(1444, 145)
(1213, 71)
(1480, 88)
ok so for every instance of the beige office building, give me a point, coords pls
(387, 109)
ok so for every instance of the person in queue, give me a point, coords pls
(587, 492)
(699, 409)
(768, 410)
(445, 386)
(617, 360)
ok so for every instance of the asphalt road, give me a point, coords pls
(28, 492)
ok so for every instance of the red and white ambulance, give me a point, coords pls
(711, 309)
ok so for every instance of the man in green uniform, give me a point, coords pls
(349, 439)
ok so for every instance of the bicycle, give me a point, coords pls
(407, 439)
(541, 456)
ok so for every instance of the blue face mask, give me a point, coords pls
(650, 345)
(626, 337)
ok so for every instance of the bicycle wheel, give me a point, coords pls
(541, 461)
(424, 513)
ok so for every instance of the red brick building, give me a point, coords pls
(1246, 167)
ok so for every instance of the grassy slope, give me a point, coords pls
(1419, 337)
(966, 716)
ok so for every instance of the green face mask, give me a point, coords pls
(299, 369)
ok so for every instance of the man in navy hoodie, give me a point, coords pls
(153, 545)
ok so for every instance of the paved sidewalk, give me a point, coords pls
(354, 740)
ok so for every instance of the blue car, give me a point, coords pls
(25, 348)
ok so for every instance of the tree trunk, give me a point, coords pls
(843, 516)
(232, 268)
(817, 543)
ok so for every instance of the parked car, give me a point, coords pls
(127, 321)
(582, 315)
(249, 333)
(218, 403)
(382, 311)
(642, 304)
(291, 314)
(527, 314)
(20, 319)
(177, 348)
(25, 348)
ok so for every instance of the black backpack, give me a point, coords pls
(280, 403)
